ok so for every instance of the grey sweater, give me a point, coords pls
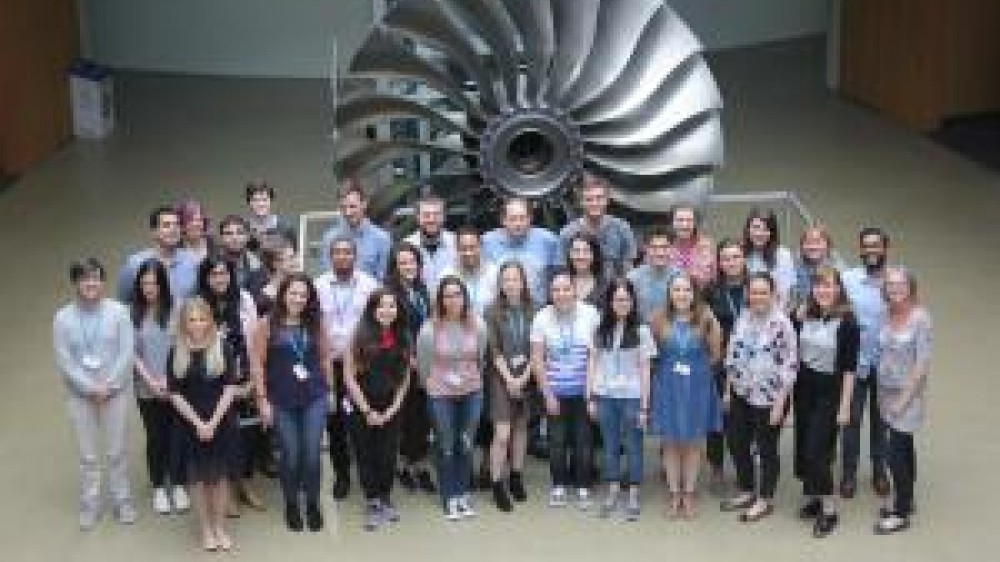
(94, 346)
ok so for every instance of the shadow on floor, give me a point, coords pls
(977, 137)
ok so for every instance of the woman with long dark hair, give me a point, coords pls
(508, 321)
(405, 280)
(152, 316)
(618, 392)
(291, 367)
(586, 265)
(377, 371)
(451, 356)
(764, 253)
(234, 313)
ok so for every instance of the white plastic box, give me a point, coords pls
(92, 100)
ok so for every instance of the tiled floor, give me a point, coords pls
(205, 136)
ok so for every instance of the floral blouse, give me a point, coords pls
(697, 259)
(761, 357)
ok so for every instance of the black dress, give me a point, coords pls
(219, 458)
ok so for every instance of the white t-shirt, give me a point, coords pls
(618, 373)
(567, 339)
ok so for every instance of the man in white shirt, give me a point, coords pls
(436, 245)
(343, 292)
(479, 276)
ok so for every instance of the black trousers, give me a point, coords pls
(375, 448)
(158, 420)
(571, 444)
(901, 458)
(816, 400)
(715, 447)
(750, 424)
(337, 427)
(415, 425)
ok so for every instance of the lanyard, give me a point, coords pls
(733, 309)
(515, 330)
(565, 332)
(299, 342)
(342, 298)
(90, 329)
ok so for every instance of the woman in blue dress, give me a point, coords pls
(685, 405)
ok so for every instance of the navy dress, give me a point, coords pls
(219, 458)
(685, 405)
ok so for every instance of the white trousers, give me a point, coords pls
(93, 424)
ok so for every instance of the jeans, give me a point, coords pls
(375, 449)
(300, 433)
(850, 443)
(619, 421)
(570, 443)
(455, 420)
(94, 423)
(902, 460)
(158, 419)
(751, 424)
(817, 400)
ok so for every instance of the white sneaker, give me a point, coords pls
(583, 499)
(181, 500)
(161, 503)
(452, 511)
(557, 497)
(465, 506)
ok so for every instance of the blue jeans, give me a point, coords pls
(619, 420)
(455, 419)
(850, 440)
(300, 433)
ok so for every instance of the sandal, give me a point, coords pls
(688, 510)
(674, 501)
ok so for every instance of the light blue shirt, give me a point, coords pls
(444, 257)
(618, 245)
(538, 253)
(651, 287)
(372, 244)
(865, 293)
(182, 273)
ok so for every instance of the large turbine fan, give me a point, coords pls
(531, 92)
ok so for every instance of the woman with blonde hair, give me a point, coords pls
(686, 405)
(202, 382)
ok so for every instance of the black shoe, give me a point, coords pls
(538, 449)
(484, 481)
(314, 516)
(517, 490)
(811, 510)
(341, 487)
(406, 479)
(293, 517)
(500, 497)
(425, 482)
(825, 524)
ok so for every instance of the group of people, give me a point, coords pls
(408, 354)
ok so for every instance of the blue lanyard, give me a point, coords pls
(299, 341)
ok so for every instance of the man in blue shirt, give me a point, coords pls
(182, 265)
(653, 277)
(372, 243)
(864, 288)
(436, 245)
(535, 248)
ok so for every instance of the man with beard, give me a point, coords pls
(233, 247)
(181, 264)
(343, 292)
(436, 245)
(864, 286)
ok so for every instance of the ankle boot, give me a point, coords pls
(500, 497)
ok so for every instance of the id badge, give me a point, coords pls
(90, 361)
(682, 369)
(301, 373)
(453, 379)
(347, 405)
